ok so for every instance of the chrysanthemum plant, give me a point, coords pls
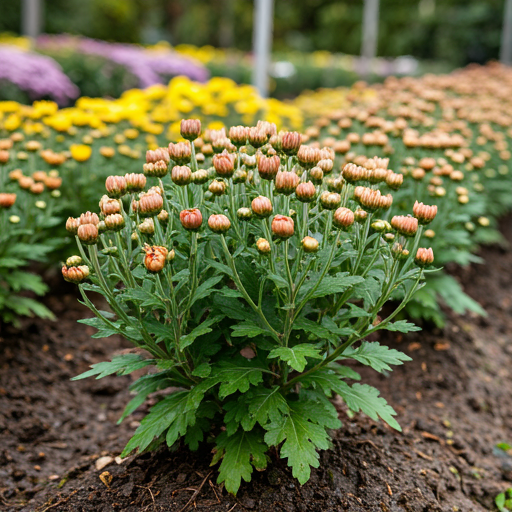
(247, 288)
(27, 211)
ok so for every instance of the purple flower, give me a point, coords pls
(149, 66)
(37, 75)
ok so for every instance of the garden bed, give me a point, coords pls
(454, 402)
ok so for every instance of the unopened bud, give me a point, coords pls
(261, 206)
(109, 206)
(330, 200)
(73, 261)
(394, 180)
(344, 218)
(135, 182)
(317, 175)
(263, 246)
(219, 223)
(116, 186)
(156, 257)
(224, 164)
(405, 225)
(89, 218)
(199, 177)
(268, 167)
(308, 157)
(257, 137)
(309, 244)
(244, 213)
(75, 274)
(286, 182)
(181, 152)
(114, 222)
(305, 192)
(190, 129)
(217, 187)
(7, 200)
(181, 175)
(240, 176)
(424, 257)
(147, 227)
(282, 226)
(424, 213)
(238, 135)
(291, 142)
(163, 217)
(88, 233)
(150, 205)
(191, 219)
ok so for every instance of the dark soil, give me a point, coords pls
(454, 402)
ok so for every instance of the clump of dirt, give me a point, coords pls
(454, 402)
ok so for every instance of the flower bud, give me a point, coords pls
(156, 257)
(181, 175)
(89, 218)
(308, 157)
(88, 233)
(257, 137)
(109, 206)
(7, 200)
(389, 238)
(4, 156)
(343, 218)
(181, 152)
(116, 186)
(72, 225)
(135, 182)
(424, 257)
(394, 180)
(199, 177)
(353, 173)
(309, 244)
(191, 219)
(101, 226)
(427, 163)
(224, 164)
(268, 167)
(240, 176)
(238, 135)
(107, 152)
(150, 205)
(249, 161)
(405, 225)
(330, 200)
(53, 182)
(424, 213)
(261, 206)
(282, 226)
(114, 222)
(317, 175)
(219, 223)
(326, 165)
(147, 227)
(37, 188)
(335, 184)
(75, 274)
(263, 246)
(379, 226)
(291, 142)
(190, 129)
(217, 187)
(73, 261)
(360, 215)
(286, 182)
(305, 192)
(244, 213)
(163, 217)
(25, 182)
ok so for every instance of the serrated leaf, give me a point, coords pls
(203, 370)
(202, 328)
(378, 356)
(369, 291)
(329, 285)
(296, 356)
(248, 329)
(402, 326)
(267, 405)
(206, 288)
(241, 452)
(122, 365)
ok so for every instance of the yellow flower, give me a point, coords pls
(131, 133)
(107, 151)
(12, 122)
(80, 152)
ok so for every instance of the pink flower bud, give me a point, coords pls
(156, 257)
(282, 226)
(343, 218)
(224, 164)
(75, 274)
(181, 175)
(257, 137)
(239, 135)
(190, 129)
(116, 186)
(424, 213)
(89, 218)
(114, 222)
(219, 223)
(72, 225)
(394, 180)
(88, 233)
(405, 225)
(150, 205)
(135, 182)
(291, 142)
(4, 156)
(261, 206)
(268, 167)
(191, 219)
(305, 192)
(286, 182)
(330, 200)
(308, 157)
(424, 257)
(180, 152)
(7, 200)
(353, 173)
(109, 206)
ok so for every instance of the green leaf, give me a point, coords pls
(402, 326)
(248, 329)
(203, 370)
(122, 365)
(369, 291)
(296, 356)
(104, 328)
(202, 328)
(267, 405)
(242, 451)
(378, 356)
(19, 280)
(26, 306)
(301, 439)
(329, 285)
(206, 288)
(159, 419)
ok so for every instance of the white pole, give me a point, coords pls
(506, 35)
(262, 44)
(370, 34)
(31, 18)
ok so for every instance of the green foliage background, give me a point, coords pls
(456, 31)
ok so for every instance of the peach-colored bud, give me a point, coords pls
(424, 213)
(261, 206)
(33, 145)
(269, 128)
(219, 223)
(107, 152)
(181, 175)
(427, 163)
(25, 182)
(150, 204)
(344, 218)
(190, 129)
(405, 225)
(39, 175)
(308, 157)
(309, 244)
(89, 218)
(156, 257)
(224, 164)
(16, 174)
(263, 246)
(291, 142)
(257, 137)
(222, 144)
(330, 200)
(7, 200)
(147, 227)
(72, 225)
(135, 182)
(316, 174)
(268, 167)
(4, 156)
(424, 257)
(191, 219)
(156, 170)
(88, 233)
(457, 176)
(353, 173)
(238, 135)
(326, 165)
(114, 222)
(75, 274)
(52, 182)
(37, 188)
(217, 187)
(286, 182)
(181, 152)
(394, 180)
(109, 206)
(282, 226)
(305, 192)
(116, 186)
(163, 217)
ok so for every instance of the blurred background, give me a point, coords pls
(314, 42)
